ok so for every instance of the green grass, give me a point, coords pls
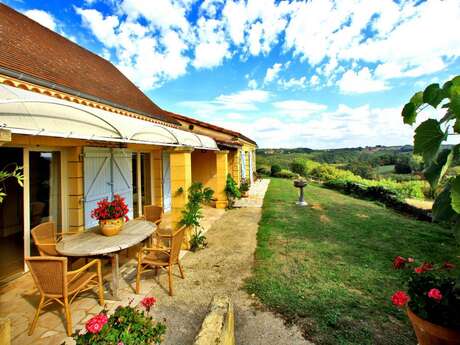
(328, 267)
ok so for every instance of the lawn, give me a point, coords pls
(328, 267)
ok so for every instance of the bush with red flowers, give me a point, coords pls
(433, 291)
(127, 326)
(117, 208)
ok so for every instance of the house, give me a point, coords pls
(82, 131)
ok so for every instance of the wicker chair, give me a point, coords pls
(164, 258)
(55, 283)
(153, 214)
(45, 238)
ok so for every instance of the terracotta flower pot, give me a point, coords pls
(111, 227)
(430, 334)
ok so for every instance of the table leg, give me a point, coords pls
(115, 277)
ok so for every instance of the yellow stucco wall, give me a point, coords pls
(211, 169)
(204, 168)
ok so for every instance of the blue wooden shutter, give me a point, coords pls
(97, 179)
(243, 165)
(166, 182)
(122, 176)
(251, 167)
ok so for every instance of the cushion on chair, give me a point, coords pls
(156, 258)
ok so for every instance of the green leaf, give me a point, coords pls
(456, 80)
(455, 105)
(433, 95)
(428, 138)
(417, 99)
(442, 209)
(455, 194)
(438, 168)
(409, 114)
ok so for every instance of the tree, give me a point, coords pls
(275, 169)
(429, 136)
(298, 167)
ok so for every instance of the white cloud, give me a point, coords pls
(212, 47)
(272, 73)
(42, 17)
(102, 27)
(314, 80)
(298, 109)
(252, 84)
(293, 83)
(243, 100)
(360, 82)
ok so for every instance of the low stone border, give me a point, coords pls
(218, 327)
(5, 331)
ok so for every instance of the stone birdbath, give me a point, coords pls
(301, 184)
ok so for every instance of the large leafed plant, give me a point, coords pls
(428, 139)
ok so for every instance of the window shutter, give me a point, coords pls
(251, 168)
(97, 180)
(122, 177)
(243, 165)
(166, 182)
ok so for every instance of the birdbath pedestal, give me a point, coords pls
(301, 184)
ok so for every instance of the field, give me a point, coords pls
(328, 267)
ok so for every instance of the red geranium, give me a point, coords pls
(400, 298)
(424, 268)
(399, 262)
(117, 208)
(148, 302)
(435, 294)
(95, 324)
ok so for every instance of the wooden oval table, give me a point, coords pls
(93, 243)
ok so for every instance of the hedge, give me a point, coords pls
(387, 197)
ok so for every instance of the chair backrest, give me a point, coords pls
(44, 236)
(49, 273)
(153, 213)
(176, 244)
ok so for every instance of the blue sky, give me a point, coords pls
(319, 73)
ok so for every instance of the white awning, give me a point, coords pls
(26, 112)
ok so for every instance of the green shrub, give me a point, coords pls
(298, 167)
(275, 169)
(284, 173)
(364, 170)
(232, 191)
(244, 187)
(264, 171)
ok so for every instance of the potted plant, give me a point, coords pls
(432, 300)
(127, 326)
(232, 191)
(244, 188)
(111, 215)
(191, 215)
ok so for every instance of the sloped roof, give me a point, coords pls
(211, 126)
(29, 48)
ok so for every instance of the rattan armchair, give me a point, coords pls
(45, 238)
(159, 257)
(154, 214)
(56, 284)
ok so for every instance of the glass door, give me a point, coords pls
(11, 217)
(45, 190)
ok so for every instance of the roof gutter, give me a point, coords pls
(41, 82)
